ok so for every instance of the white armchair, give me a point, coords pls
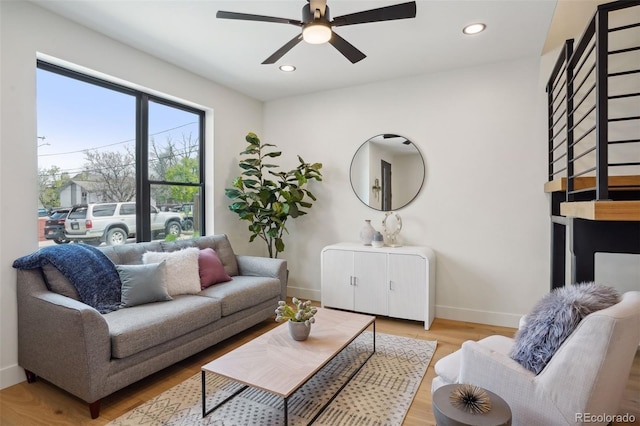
(585, 377)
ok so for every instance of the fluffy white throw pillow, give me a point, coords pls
(182, 273)
(554, 318)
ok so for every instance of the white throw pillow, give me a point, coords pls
(182, 273)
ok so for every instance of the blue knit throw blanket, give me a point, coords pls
(90, 271)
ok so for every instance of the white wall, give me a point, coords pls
(618, 270)
(27, 30)
(482, 208)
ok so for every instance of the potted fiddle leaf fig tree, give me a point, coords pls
(267, 197)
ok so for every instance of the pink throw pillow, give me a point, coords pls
(211, 269)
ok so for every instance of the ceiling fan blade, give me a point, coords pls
(284, 49)
(388, 13)
(346, 48)
(261, 18)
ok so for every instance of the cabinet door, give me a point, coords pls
(337, 282)
(407, 286)
(370, 271)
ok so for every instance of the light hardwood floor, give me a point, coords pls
(41, 403)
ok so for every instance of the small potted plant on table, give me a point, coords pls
(300, 317)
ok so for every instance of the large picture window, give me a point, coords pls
(106, 148)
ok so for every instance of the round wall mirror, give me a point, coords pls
(387, 172)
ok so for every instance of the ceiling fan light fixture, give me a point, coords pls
(316, 25)
(316, 33)
(474, 28)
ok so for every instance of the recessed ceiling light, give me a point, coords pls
(287, 68)
(474, 29)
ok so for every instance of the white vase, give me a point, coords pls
(366, 233)
(299, 330)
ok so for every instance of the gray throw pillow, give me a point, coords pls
(143, 284)
(554, 318)
(58, 283)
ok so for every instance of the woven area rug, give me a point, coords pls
(379, 394)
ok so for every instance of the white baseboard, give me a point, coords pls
(11, 375)
(304, 293)
(476, 316)
(446, 312)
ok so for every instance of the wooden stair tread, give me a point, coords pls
(627, 210)
(629, 182)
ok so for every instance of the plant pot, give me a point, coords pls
(299, 330)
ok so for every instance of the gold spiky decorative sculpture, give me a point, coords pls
(470, 398)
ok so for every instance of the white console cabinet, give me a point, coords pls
(397, 282)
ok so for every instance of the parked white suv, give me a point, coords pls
(113, 223)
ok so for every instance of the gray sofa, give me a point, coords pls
(92, 355)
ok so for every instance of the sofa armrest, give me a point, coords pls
(491, 369)
(529, 400)
(61, 339)
(255, 266)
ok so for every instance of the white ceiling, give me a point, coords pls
(230, 52)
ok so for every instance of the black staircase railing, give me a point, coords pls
(580, 104)
(557, 113)
(594, 133)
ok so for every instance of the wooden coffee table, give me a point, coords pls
(276, 363)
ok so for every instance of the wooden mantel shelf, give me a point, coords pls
(620, 183)
(602, 210)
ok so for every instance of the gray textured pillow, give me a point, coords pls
(143, 284)
(554, 318)
(58, 283)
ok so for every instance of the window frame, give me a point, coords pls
(143, 183)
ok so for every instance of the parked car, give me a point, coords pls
(43, 212)
(54, 226)
(113, 223)
(186, 213)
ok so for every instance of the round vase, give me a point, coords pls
(299, 330)
(366, 233)
(378, 240)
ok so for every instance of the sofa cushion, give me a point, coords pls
(448, 367)
(554, 318)
(130, 254)
(211, 268)
(182, 272)
(141, 327)
(220, 243)
(143, 284)
(243, 292)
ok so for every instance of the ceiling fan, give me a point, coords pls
(317, 25)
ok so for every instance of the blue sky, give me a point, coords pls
(74, 116)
